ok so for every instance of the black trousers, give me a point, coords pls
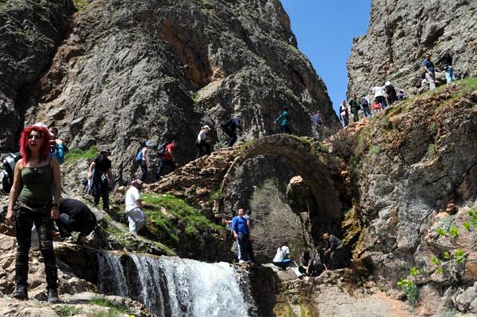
(101, 189)
(24, 220)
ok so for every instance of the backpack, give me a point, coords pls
(226, 124)
(7, 166)
(139, 156)
(161, 149)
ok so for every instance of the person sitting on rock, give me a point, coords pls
(75, 216)
(306, 262)
(282, 258)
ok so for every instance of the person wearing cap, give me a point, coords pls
(202, 144)
(134, 212)
(143, 159)
(101, 173)
(429, 71)
(167, 160)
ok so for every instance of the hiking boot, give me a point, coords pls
(20, 292)
(81, 239)
(53, 296)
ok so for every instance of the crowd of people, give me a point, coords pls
(35, 205)
(386, 95)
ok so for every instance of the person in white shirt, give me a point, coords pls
(282, 257)
(379, 94)
(136, 216)
(203, 147)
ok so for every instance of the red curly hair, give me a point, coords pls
(45, 145)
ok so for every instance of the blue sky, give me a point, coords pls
(325, 30)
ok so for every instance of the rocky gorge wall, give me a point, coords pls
(159, 70)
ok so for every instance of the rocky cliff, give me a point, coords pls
(116, 75)
(399, 35)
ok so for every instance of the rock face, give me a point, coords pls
(415, 180)
(399, 35)
(30, 34)
(159, 70)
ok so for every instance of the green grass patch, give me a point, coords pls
(66, 310)
(175, 217)
(114, 308)
(77, 154)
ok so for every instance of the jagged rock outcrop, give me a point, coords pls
(415, 178)
(160, 69)
(399, 35)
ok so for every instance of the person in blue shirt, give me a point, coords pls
(57, 146)
(241, 233)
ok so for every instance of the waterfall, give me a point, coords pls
(175, 287)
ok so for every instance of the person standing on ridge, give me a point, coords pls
(284, 120)
(344, 114)
(446, 60)
(380, 95)
(34, 199)
(241, 233)
(100, 172)
(429, 71)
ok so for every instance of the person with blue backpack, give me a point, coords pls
(142, 158)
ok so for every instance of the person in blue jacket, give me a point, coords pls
(241, 233)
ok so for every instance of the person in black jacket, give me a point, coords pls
(75, 216)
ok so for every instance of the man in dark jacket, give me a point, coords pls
(75, 216)
(230, 129)
(100, 172)
(335, 255)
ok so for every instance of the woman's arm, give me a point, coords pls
(14, 192)
(55, 211)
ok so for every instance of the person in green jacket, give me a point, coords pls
(284, 119)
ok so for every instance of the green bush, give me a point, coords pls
(410, 290)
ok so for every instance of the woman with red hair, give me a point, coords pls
(34, 199)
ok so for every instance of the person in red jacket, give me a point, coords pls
(167, 159)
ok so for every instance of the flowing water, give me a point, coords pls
(175, 287)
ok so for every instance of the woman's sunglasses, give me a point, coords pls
(34, 136)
